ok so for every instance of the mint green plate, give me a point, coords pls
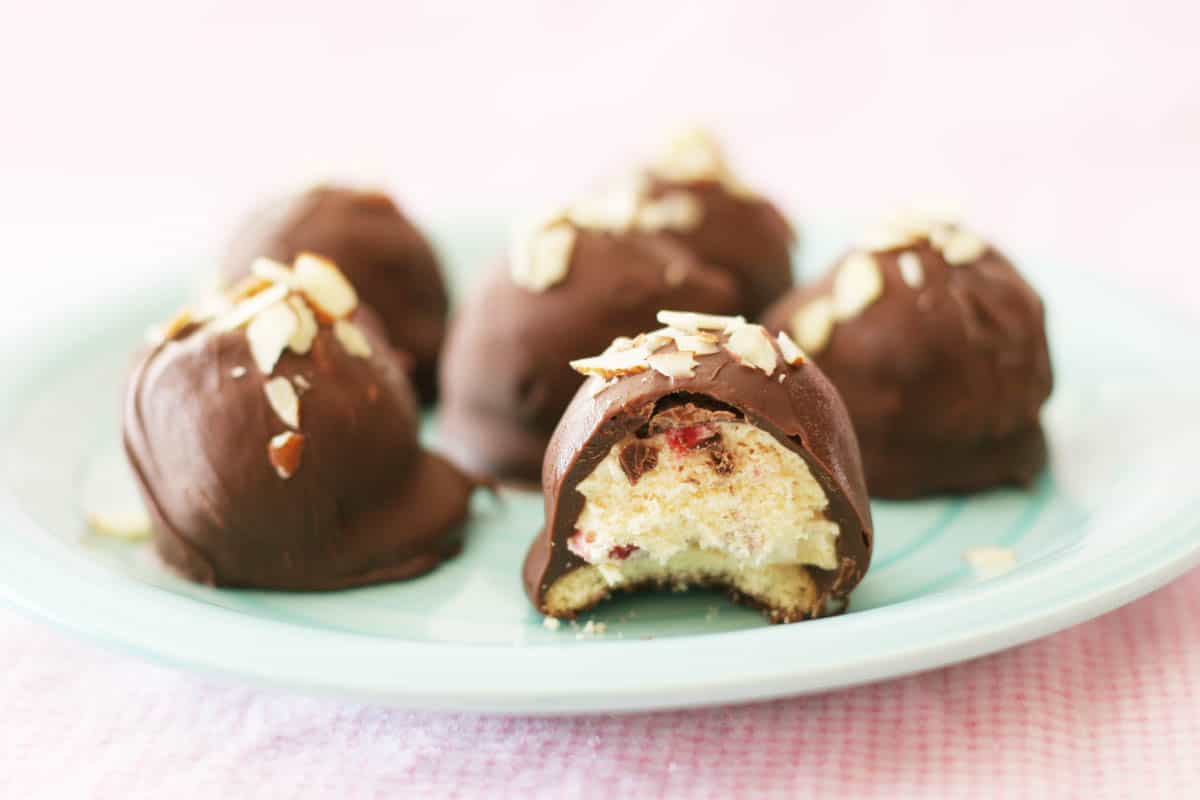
(1117, 515)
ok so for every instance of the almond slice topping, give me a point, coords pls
(269, 333)
(284, 452)
(792, 353)
(249, 308)
(284, 401)
(673, 364)
(858, 284)
(751, 345)
(813, 324)
(541, 259)
(911, 270)
(613, 363)
(306, 328)
(327, 290)
(271, 270)
(352, 338)
(690, 322)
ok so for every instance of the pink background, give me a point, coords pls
(133, 134)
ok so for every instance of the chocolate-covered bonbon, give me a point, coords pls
(384, 255)
(691, 192)
(566, 290)
(275, 442)
(938, 347)
(704, 453)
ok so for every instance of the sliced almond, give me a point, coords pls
(791, 351)
(613, 363)
(352, 339)
(911, 270)
(673, 364)
(247, 287)
(654, 340)
(124, 524)
(542, 259)
(306, 328)
(962, 247)
(692, 155)
(702, 344)
(284, 451)
(691, 322)
(157, 334)
(283, 400)
(331, 295)
(675, 211)
(301, 383)
(858, 284)
(613, 207)
(249, 308)
(237, 372)
(813, 324)
(989, 561)
(751, 345)
(271, 270)
(901, 229)
(269, 333)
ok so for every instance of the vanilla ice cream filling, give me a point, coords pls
(722, 491)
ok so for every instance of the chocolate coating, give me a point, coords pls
(803, 412)
(505, 374)
(944, 381)
(744, 234)
(382, 253)
(366, 503)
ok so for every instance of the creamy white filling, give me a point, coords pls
(720, 486)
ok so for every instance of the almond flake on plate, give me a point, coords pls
(326, 288)
(673, 364)
(283, 400)
(352, 338)
(124, 524)
(752, 346)
(858, 283)
(990, 561)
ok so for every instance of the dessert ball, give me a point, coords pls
(566, 291)
(275, 442)
(383, 254)
(938, 347)
(705, 453)
(690, 190)
(690, 195)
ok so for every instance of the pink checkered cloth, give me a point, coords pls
(1110, 709)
